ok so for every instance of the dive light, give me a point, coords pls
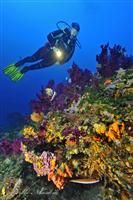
(58, 53)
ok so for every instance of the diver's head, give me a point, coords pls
(75, 28)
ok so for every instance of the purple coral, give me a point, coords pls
(43, 103)
(16, 144)
(111, 59)
(5, 147)
(80, 77)
(66, 92)
(75, 132)
(10, 147)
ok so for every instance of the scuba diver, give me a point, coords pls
(58, 50)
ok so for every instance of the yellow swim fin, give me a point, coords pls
(17, 76)
(13, 72)
(10, 69)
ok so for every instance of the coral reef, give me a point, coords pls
(82, 129)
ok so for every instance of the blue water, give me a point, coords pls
(25, 24)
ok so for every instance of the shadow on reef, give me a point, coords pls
(80, 129)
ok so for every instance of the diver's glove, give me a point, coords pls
(55, 49)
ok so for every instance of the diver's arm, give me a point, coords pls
(54, 36)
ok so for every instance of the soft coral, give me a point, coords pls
(111, 59)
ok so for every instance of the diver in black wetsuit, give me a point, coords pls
(58, 50)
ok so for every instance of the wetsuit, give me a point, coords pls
(61, 39)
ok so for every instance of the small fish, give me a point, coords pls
(85, 181)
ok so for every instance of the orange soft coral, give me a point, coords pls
(58, 175)
(107, 82)
(58, 181)
(37, 117)
(70, 142)
(68, 171)
(115, 131)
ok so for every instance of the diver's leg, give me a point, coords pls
(20, 73)
(16, 74)
(35, 57)
(40, 65)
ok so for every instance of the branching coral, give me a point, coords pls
(112, 59)
(66, 93)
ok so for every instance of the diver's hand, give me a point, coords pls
(55, 49)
